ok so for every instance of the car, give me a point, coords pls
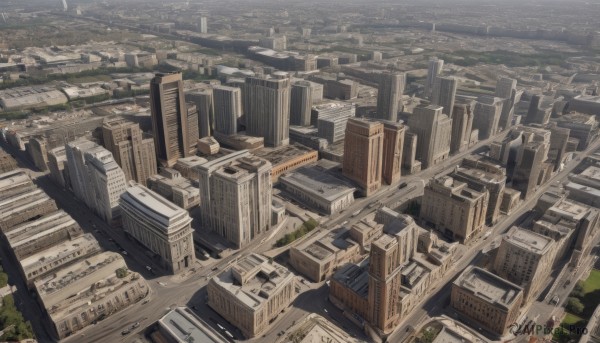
(125, 332)
(124, 253)
(145, 302)
(148, 268)
(214, 268)
(220, 327)
(135, 325)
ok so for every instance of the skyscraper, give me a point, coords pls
(301, 103)
(172, 123)
(363, 153)
(444, 91)
(203, 25)
(203, 99)
(228, 108)
(505, 87)
(389, 95)
(393, 144)
(132, 152)
(462, 124)
(486, 116)
(268, 113)
(434, 130)
(527, 171)
(433, 71)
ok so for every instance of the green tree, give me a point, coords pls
(3, 279)
(574, 305)
(122, 272)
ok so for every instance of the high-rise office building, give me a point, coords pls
(433, 71)
(331, 118)
(228, 108)
(203, 25)
(462, 124)
(172, 123)
(393, 144)
(389, 95)
(133, 152)
(506, 89)
(528, 168)
(363, 153)
(301, 103)
(486, 116)
(235, 193)
(443, 94)
(203, 99)
(96, 178)
(539, 112)
(434, 130)
(268, 113)
(160, 226)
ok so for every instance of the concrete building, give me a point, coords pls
(57, 164)
(434, 130)
(525, 258)
(583, 127)
(252, 293)
(203, 99)
(539, 112)
(315, 328)
(235, 193)
(487, 299)
(410, 164)
(443, 94)
(268, 109)
(454, 209)
(160, 226)
(389, 95)
(187, 166)
(96, 178)
(364, 153)
(7, 162)
(318, 189)
(203, 25)
(87, 291)
(227, 109)
(478, 179)
(506, 89)
(527, 172)
(393, 145)
(176, 188)
(331, 119)
(133, 152)
(174, 126)
(288, 158)
(433, 71)
(336, 89)
(38, 152)
(21, 201)
(301, 103)
(182, 325)
(462, 125)
(486, 116)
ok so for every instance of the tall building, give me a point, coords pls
(173, 125)
(505, 87)
(331, 119)
(528, 168)
(96, 178)
(486, 116)
(268, 113)
(454, 209)
(301, 103)
(462, 125)
(479, 178)
(132, 152)
(389, 95)
(393, 144)
(159, 225)
(363, 154)
(538, 111)
(433, 71)
(487, 299)
(525, 258)
(434, 130)
(235, 193)
(443, 94)
(227, 109)
(203, 99)
(203, 25)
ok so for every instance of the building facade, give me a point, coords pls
(462, 125)
(363, 155)
(227, 109)
(443, 94)
(393, 145)
(389, 95)
(268, 109)
(434, 132)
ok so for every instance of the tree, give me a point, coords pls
(578, 290)
(574, 305)
(122, 272)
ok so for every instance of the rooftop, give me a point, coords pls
(282, 154)
(488, 287)
(528, 240)
(184, 326)
(355, 277)
(318, 182)
(151, 203)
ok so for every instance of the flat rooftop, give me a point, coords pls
(591, 172)
(568, 209)
(283, 154)
(318, 182)
(184, 326)
(528, 240)
(148, 201)
(355, 277)
(488, 287)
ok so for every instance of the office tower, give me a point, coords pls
(454, 209)
(434, 130)
(331, 119)
(301, 103)
(252, 293)
(444, 91)
(96, 178)
(389, 95)
(235, 193)
(393, 144)
(433, 71)
(537, 113)
(462, 124)
(486, 299)
(525, 258)
(486, 116)
(132, 152)
(505, 87)
(480, 179)
(193, 130)
(159, 225)
(228, 108)
(268, 113)
(171, 119)
(203, 99)
(363, 154)
(527, 172)
(203, 25)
